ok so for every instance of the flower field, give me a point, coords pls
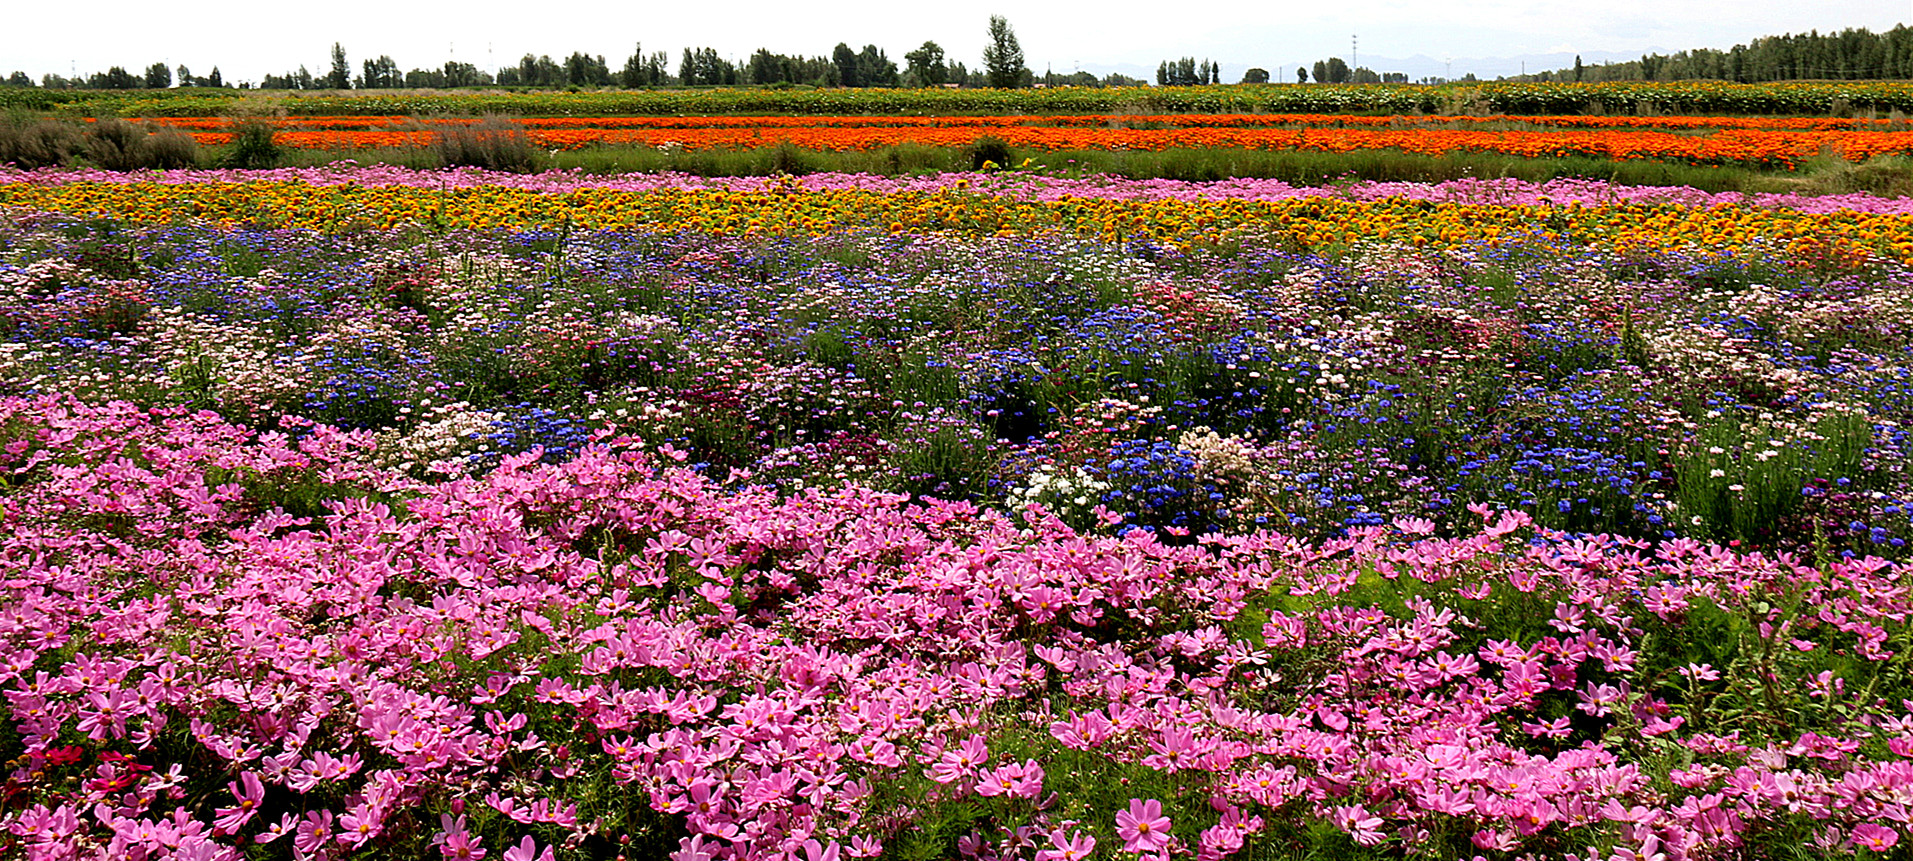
(1760, 141)
(369, 512)
(1494, 97)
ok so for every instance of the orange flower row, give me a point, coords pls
(1762, 147)
(384, 123)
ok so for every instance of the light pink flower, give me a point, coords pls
(1142, 827)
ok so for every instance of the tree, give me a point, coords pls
(458, 74)
(215, 79)
(764, 68)
(1187, 72)
(158, 77)
(379, 74)
(1578, 69)
(584, 70)
(845, 59)
(640, 69)
(1003, 58)
(340, 78)
(425, 79)
(184, 76)
(1301, 75)
(703, 66)
(874, 66)
(1333, 71)
(1255, 76)
(20, 80)
(926, 64)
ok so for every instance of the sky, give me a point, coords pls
(248, 40)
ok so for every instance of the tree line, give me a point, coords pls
(1853, 54)
(927, 66)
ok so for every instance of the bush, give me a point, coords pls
(493, 143)
(115, 144)
(252, 147)
(989, 149)
(37, 143)
(170, 148)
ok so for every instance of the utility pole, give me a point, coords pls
(1354, 57)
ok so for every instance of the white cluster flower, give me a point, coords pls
(1068, 491)
(440, 443)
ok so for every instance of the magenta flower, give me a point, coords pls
(1874, 838)
(960, 763)
(1065, 847)
(527, 850)
(249, 791)
(1142, 827)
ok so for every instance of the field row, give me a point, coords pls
(1735, 147)
(1119, 120)
(1309, 223)
(1808, 98)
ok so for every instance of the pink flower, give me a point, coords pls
(1364, 828)
(1142, 827)
(527, 850)
(1064, 847)
(248, 790)
(1874, 838)
(460, 846)
(961, 763)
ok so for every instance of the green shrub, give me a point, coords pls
(170, 148)
(115, 144)
(252, 147)
(493, 143)
(991, 149)
(31, 143)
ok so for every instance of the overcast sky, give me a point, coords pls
(247, 40)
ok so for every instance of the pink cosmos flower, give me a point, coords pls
(527, 850)
(1874, 838)
(249, 791)
(960, 763)
(1355, 820)
(1142, 827)
(1065, 847)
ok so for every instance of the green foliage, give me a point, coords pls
(1742, 479)
(252, 147)
(115, 144)
(493, 143)
(1003, 57)
(989, 151)
(29, 142)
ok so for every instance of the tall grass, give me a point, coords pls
(493, 143)
(30, 142)
(115, 144)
